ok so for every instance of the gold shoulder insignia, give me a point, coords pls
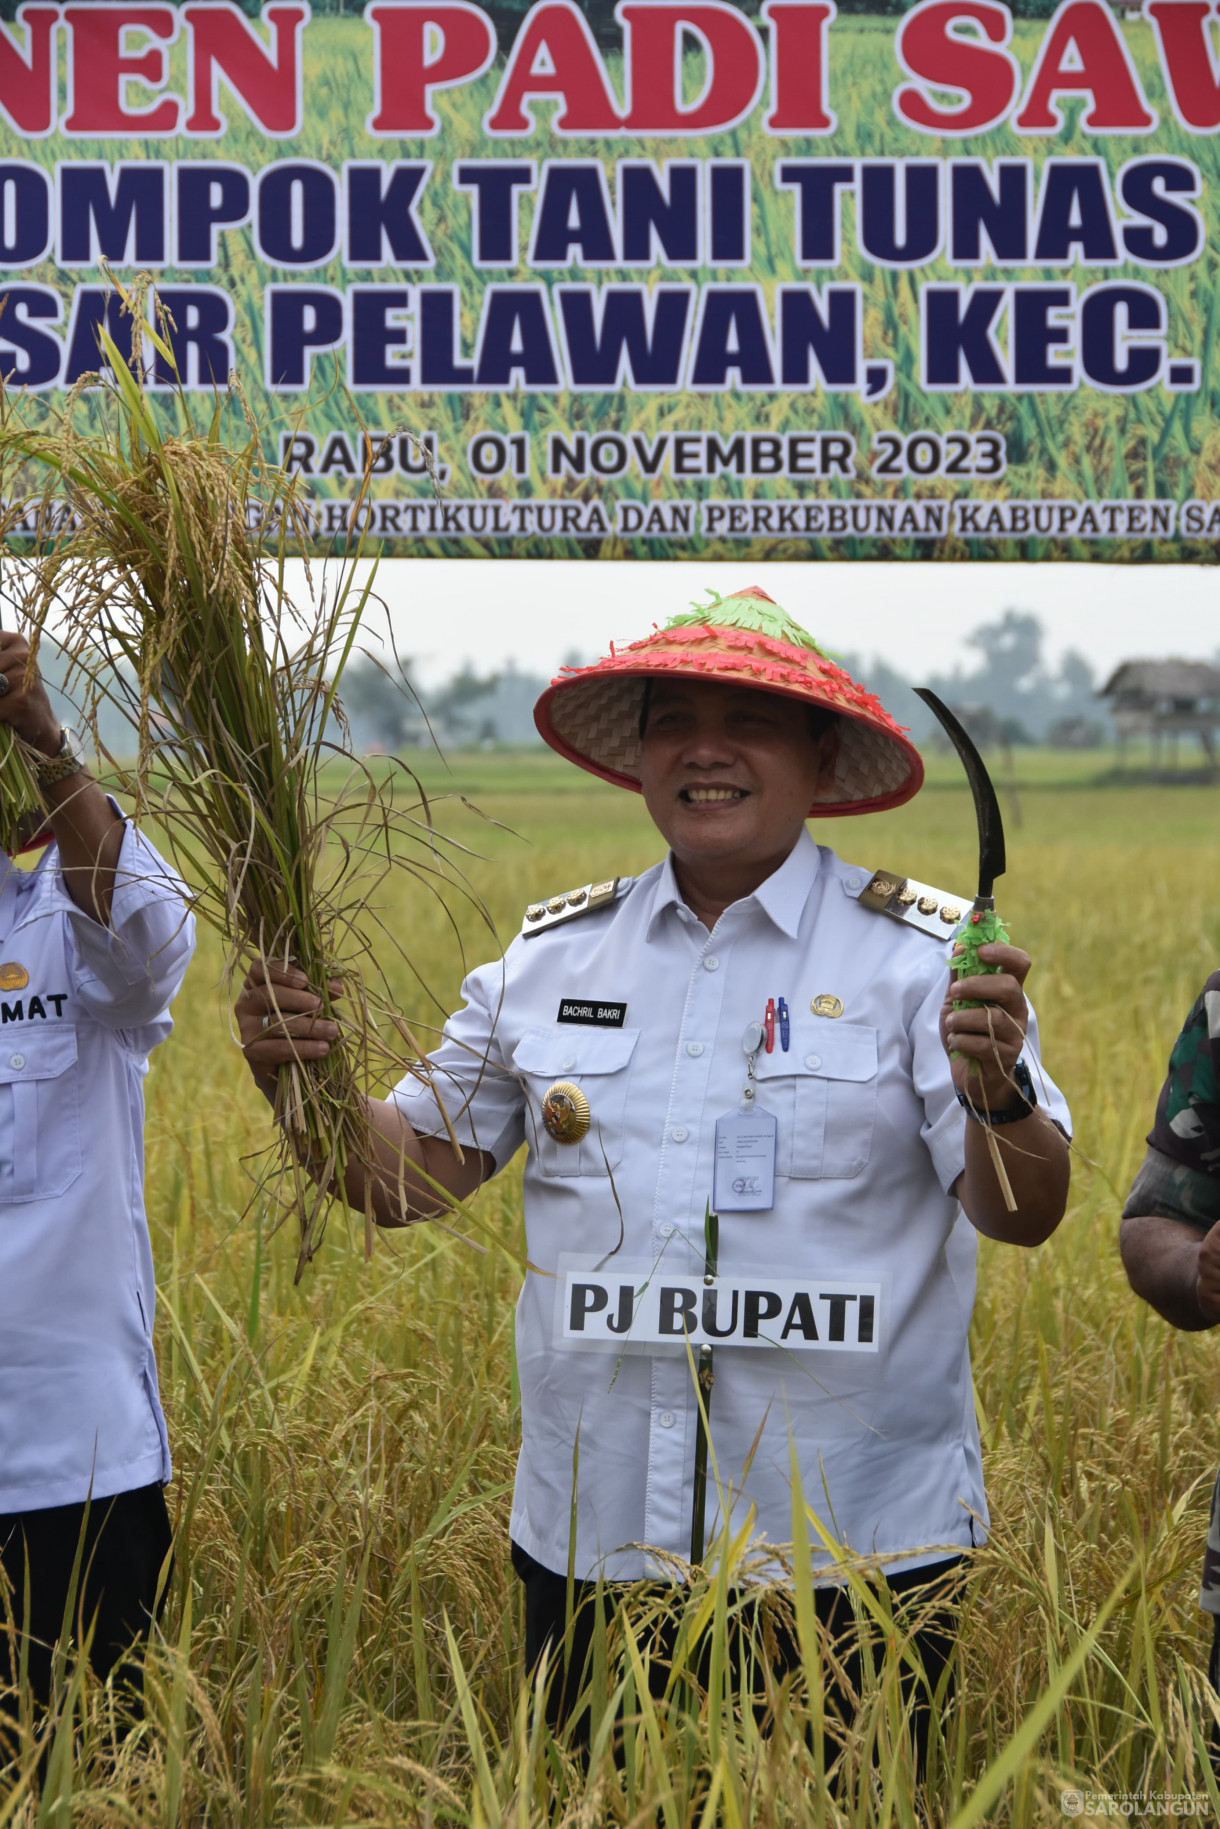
(932, 911)
(540, 917)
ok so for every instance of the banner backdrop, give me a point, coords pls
(678, 278)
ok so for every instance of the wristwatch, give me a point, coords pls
(1008, 1114)
(69, 759)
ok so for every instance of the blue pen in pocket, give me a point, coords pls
(785, 1030)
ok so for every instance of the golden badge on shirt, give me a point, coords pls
(13, 977)
(565, 1112)
(826, 1004)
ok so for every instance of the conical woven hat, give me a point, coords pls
(591, 715)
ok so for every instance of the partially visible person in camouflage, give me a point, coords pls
(1170, 1236)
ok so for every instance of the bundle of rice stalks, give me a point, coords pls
(169, 593)
(21, 809)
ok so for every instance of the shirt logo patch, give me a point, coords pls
(565, 1112)
(594, 1012)
(13, 977)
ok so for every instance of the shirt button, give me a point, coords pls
(666, 1419)
(667, 1230)
(813, 1060)
(694, 1049)
(568, 1064)
(679, 1133)
(17, 1060)
(855, 882)
(711, 963)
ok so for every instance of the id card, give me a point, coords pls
(744, 1179)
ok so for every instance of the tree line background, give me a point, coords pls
(1010, 694)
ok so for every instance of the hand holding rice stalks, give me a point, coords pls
(174, 577)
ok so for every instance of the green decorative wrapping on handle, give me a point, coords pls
(982, 927)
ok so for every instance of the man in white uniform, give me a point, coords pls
(94, 942)
(741, 1026)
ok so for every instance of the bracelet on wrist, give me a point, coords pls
(68, 760)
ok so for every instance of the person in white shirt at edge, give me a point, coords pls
(735, 728)
(94, 942)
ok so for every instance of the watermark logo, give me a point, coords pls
(1138, 1806)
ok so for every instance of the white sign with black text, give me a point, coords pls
(650, 1306)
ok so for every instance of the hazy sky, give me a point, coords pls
(913, 615)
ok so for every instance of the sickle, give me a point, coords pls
(992, 862)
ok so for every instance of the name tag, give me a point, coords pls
(594, 1011)
(743, 1180)
(643, 1306)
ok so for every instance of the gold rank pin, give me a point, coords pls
(915, 904)
(540, 917)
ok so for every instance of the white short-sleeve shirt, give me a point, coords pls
(870, 1139)
(81, 1008)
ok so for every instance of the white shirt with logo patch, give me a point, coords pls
(878, 1411)
(79, 1406)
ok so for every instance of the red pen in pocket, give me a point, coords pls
(769, 1025)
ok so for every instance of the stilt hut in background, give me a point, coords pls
(1162, 701)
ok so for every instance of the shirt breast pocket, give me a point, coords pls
(598, 1061)
(829, 1085)
(39, 1114)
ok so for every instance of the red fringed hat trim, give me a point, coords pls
(880, 767)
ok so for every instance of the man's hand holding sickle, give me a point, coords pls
(991, 1079)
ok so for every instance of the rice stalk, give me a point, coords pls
(22, 814)
(170, 587)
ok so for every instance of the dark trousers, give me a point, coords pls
(123, 1543)
(932, 1592)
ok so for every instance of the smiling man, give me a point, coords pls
(743, 1027)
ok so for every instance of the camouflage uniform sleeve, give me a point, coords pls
(1180, 1176)
(1187, 1123)
(1175, 1191)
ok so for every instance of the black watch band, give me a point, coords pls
(1009, 1114)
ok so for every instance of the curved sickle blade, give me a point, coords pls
(992, 862)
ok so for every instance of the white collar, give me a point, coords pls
(782, 897)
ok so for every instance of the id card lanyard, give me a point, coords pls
(744, 1176)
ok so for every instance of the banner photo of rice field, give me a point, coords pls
(662, 278)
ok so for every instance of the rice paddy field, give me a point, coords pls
(341, 1638)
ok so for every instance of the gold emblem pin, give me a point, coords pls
(13, 977)
(950, 914)
(565, 1112)
(827, 1004)
(928, 904)
(906, 895)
